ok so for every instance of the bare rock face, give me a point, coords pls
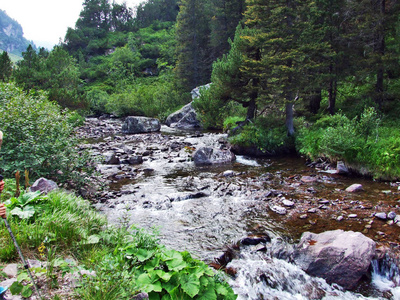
(133, 125)
(338, 256)
(211, 156)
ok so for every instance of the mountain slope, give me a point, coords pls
(12, 36)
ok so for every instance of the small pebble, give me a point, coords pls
(340, 218)
(353, 216)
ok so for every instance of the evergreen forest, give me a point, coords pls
(320, 78)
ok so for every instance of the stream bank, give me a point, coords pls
(151, 181)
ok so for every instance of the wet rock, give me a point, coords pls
(255, 240)
(341, 168)
(381, 215)
(211, 156)
(338, 256)
(287, 203)
(135, 160)
(141, 296)
(354, 188)
(391, 215)
(111, 159)
(228, 173)
(185, 118)
(308, 179)
(44, 185)
(278, 209)
(133, 125)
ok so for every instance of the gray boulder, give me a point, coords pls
(134, 125)
(196, 91)
(185, 118)
(211, 156)
(338, 256)
(111, 159)
(354, 188)
(44, 185)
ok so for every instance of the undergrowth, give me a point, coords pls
(63, 230)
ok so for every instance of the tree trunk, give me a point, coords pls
(251, 109)
(289, 118)
(315, 102)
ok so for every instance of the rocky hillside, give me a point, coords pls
(11, 35)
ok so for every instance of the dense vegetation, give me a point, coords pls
(272, 64)
(319, 77)
(70, 236)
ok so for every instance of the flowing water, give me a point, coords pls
(205, 210)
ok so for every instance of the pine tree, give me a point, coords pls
(5, 67)
(194, 59)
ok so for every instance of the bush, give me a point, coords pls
(365, 143)
(149, 97)
(38, 136)
(265, 134)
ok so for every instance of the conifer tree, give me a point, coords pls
(194, 59)
(5, 67)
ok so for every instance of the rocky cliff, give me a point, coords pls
(12, 36)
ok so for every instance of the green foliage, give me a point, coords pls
(37, 136)
(363, 142)
(210, 110)
(232, 122)
(152, 97)
(23, 206)
(5, 67)
(168, 274)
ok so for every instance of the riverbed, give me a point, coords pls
(209, 209)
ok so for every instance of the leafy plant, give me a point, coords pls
(23, 206)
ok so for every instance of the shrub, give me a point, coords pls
(364, 142)
(38, 136)
(266, 134)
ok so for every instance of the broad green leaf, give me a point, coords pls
(208, 294)
(26, 292)
(221, 289)
(16, 288)
(147, 284)
(23, 276)
(190, 284)
(152, 264)
(144, 254)
(154, 296)
(28, 197)
(173, 260)
(25, 213)
(163, 275)
(166, 297)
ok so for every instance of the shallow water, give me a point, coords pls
(200, 210)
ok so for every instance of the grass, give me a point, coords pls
(70, 236)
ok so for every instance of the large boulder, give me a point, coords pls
(338, 256)
(134, 125)
(185, 118)
(211, 156)
(44, 185)
(196, 91)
